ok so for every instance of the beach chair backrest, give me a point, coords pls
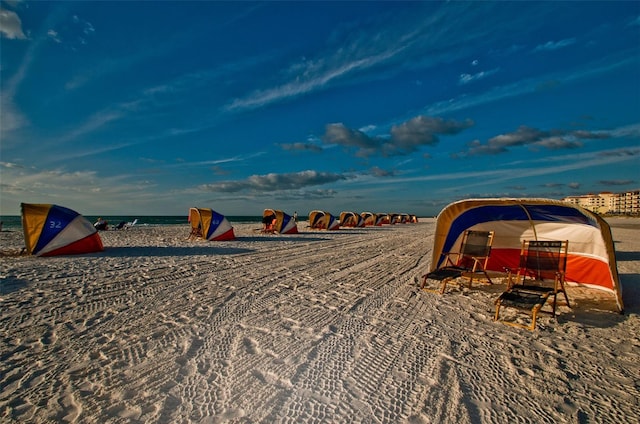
(475, 249)
(544, 259)
(477, 244)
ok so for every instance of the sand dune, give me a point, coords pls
(315, 327)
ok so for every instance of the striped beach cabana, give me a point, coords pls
(208, 224)
(51, 230)
(591, 258)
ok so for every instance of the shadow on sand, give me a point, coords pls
(140, 251)
(603, 312)
(277, 237)
(627, 256)
(9, 284)
(630, 292)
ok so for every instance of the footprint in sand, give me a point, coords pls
(251, 345)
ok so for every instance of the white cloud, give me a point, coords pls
(11, 25)
(78, 190)
(275, 182)
(53, 35)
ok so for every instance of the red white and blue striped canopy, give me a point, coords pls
(51, 230)
(591, 258)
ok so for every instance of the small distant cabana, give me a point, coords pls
(404, 218)
(382, 218)
(321, 220)
(369, 218)
(351, 219)
(282, 223)
(395, 218)
(208, 224)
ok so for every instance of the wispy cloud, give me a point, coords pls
(632, 130)
(379, 172)
(617, 182)
(469, 78)
(12, 118)
(49, 184)
(555, 45)
(532, 85)
(313, 75)
(621, 152)
(75, 188)
(53, 35)
(526, 136)
(304, 147)
(207, 163)
(551, 165)
(404, 41)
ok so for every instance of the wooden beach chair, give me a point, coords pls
(539, 276)
(269, 223)
(196, 232)
(469, 262)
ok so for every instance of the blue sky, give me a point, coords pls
(149, 108)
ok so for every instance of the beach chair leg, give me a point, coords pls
(424, 281)
(443, 287)
(424, 288)
(534, 317)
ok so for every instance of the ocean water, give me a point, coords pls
(14, 222)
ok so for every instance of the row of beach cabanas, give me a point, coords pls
(323, 220)
(211, 225)
(51, 230)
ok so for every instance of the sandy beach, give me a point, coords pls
(318, 327)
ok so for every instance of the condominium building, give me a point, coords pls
(626, 203)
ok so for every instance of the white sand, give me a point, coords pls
(316, 327)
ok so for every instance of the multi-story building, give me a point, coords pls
(627, 203)
(598, 203)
